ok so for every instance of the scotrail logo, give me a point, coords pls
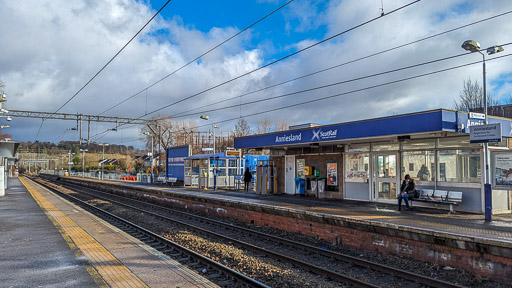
(321, 135)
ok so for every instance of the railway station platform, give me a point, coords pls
(461, 240)
(48, 242)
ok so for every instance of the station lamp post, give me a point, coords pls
(102, 158)
(473, 46)
(150, 154)
(206, 117)
(83, 161)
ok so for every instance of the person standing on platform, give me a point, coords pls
(407, 187)
(247, 179)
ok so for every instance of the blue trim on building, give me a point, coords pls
(421, 122)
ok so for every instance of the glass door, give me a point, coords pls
(385, 179)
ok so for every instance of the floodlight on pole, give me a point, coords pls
(150, 155)
(473, 46)
(103, 157)
(4, 126)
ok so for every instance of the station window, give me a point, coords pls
(220, 163)
(461, 166)
(420, 165)
(423, 144)
(358, 148)
(455, 142)
(385, 147)
(356, 167)
(232, 162)
(222, 172)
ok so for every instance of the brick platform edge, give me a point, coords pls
(482, 257)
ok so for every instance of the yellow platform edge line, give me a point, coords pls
(79, 247)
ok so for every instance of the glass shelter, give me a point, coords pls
(200, 169)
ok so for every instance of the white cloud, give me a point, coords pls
(51, 48)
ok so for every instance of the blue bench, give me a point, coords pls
(439, 197)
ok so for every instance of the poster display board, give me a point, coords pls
(176, 161)
(332, 174)
(300, 167)
(501, 169)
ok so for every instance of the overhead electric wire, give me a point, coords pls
(358, 90)
(336, 66)
(200, 56)
(105, 66)
(325, 86)
(354, 91)
(278, 60)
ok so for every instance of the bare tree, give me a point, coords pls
(281, 125)
(470, 98)
(242, 128)
(264, 126)
(167, 132)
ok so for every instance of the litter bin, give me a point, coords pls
(321, 188)
(314, 187)
(299, 186)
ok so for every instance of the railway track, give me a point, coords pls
(342, 268)
(214, 271)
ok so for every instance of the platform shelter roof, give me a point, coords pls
(440, 122)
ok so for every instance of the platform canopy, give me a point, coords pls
(429, 123)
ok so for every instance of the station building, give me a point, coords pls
(367, 160)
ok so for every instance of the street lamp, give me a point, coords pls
(206, 117)
(473, 46)
(102, 158)
(83, 161)
(150, 155)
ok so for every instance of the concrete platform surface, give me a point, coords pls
(69, 247)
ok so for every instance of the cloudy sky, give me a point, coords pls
(52, 48)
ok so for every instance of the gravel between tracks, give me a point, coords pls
(277, 275)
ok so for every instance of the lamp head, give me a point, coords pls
(204, 117)
(494, 49)
(471, 45)
(3, 97)
(8, 118)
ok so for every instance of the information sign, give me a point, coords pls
(233, 153)
(479, 116)
(485, 133)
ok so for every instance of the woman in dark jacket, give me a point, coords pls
(407, 187)
(247, 179)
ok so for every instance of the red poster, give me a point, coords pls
(332, 174)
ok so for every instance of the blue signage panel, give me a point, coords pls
(175, 161)
(431, 121)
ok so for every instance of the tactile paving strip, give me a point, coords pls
(111, 270)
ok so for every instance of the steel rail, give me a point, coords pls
(411, 276)
(310, 267)
(168, 243)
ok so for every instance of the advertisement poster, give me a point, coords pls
(332, 174)
(503, 169)
(300, 167)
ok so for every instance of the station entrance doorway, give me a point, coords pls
(384, 176)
